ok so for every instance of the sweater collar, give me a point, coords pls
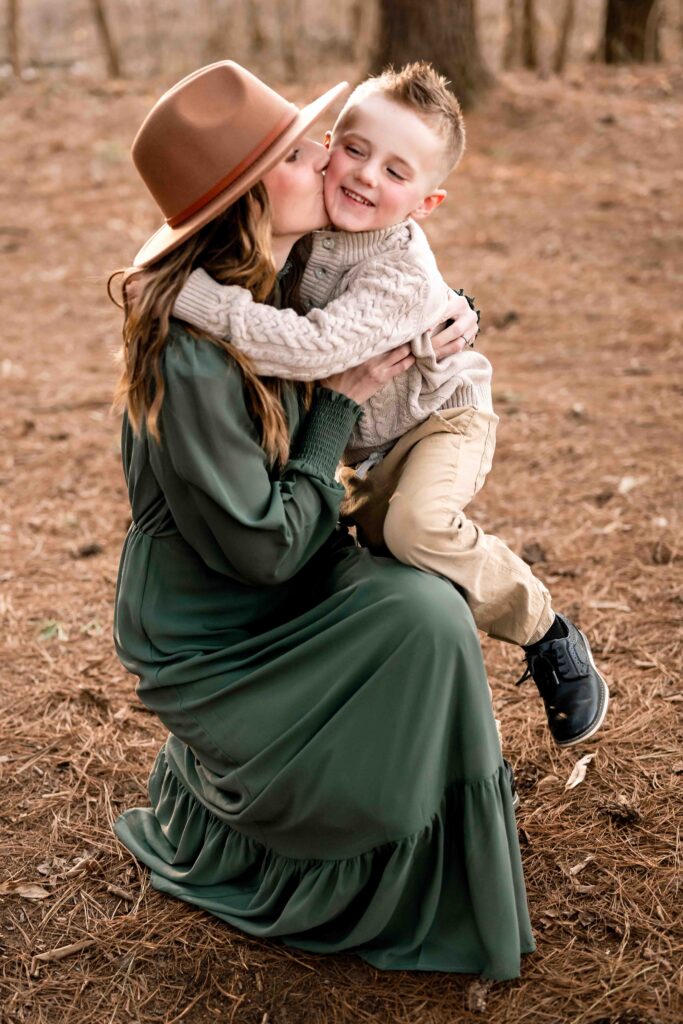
(351, 247)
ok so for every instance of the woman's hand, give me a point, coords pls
(460, 329)
(361, 382)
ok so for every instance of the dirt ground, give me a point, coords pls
(565, 221)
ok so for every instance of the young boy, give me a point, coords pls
(425, 443)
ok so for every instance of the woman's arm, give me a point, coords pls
(384, 306)
(244, 519)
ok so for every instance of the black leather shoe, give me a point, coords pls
(510, 775)
(573, 691)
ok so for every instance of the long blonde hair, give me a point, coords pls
(234, 248)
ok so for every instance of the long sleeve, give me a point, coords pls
(243, 519)
(463, 378)
(366, 293)
(386, 303)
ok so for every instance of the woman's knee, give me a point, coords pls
(444, 613)
(426, 603)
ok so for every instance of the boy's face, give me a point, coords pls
(384, 163)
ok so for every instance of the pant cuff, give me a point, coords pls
(544, 623)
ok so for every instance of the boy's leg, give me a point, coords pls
(367, 497)
(426, 526)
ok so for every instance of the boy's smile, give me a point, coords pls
(356, 197)
(384, 163)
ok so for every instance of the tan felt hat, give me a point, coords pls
(208, 140)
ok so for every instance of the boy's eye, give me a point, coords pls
(290, 159)
(353, 150)
(395, 174)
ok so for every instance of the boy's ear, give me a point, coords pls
(428, 204)
(327, 140)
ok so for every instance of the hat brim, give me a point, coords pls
(167, 238)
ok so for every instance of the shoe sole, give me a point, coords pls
(593, 728)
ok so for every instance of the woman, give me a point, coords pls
(333, 777)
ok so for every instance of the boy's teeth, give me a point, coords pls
(359, 199)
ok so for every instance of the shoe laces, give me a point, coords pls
(527, 673)
(540, 668)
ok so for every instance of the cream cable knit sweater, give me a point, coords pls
(379, 289)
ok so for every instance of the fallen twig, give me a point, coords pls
(117, 891)
(59, 954)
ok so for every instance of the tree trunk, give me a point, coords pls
(257, 38)
(217, 36)
(153, 38)
(356, 26)
(442, 32)
(512, 45)
(290, 24)
(626, 31)
(106, 38)
(566, 27)
(653, 52)
(13, 36)
(529, 35)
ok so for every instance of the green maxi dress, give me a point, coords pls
(333, 777)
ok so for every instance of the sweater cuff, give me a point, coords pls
(199, 299)
(326, 431)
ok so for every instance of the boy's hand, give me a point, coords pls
(459, 330)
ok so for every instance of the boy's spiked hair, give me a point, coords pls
(422, 89)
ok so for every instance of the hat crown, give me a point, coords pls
(203, 133)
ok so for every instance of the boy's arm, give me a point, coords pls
(383, 307)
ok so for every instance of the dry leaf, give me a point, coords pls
(617, 606)
(547, 782)
(582, 864)
(615, 525)
(627, 483)
(52, 630)
(477, 994)
(27, 890)
(578, 773)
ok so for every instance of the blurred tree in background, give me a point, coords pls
(304, 41)
(632, 31)
(566, 26)
(442, 32)
(109, 47)
(13, 36)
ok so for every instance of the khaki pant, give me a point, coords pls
(412, 502)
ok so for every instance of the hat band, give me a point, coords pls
(242, 166)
